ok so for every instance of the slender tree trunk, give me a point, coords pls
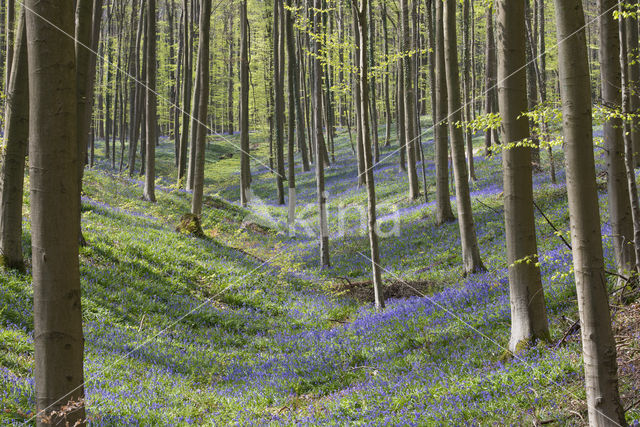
(444, 213)
(531, 80)
(296, 94)
(409, 100)
(10, 14)
(358, 105)
(371, 188)
(319, 139)
(293, 113)
(618, 189)
(633, 73)
(468, 239)
(542, 84)
(53, 161)
(278, 79)
(245, 172)
(628, 139)
(203, 102)
(387, 100)
(13, 161)
(467, 86)
(490, 78)
(528, 312)
(401, 129)
(373, 107)
(186, 92)
(598, 344)
(230, 83)
(151, 107)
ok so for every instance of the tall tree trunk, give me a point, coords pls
(151, 107)
(53, 162)
(387, 100)
(598, 344)
(618, 189)
(278, 80)
(230, 82)
(245, 172)
(293, 113)
(468, 99)
(9, 24)
(15, 150)
(294, 75)
(186, 91)
(633, 73)
(628, 139)
(528, 312)
(531, 80)
(468, 239)
(542, 84)
(358, 105)
(319, 140)
(373, 107)
(409, 99)
(490, 79)
(203, 102)
(371, 188)
(444, 213)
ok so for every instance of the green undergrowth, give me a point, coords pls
(240, 326)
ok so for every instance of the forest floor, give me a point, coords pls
(242, 327)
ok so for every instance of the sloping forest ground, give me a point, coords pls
(243, 328)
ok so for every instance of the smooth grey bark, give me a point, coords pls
(53, 163)
(151, 107)
(278, 83)
(319, 142)
(468, 239)
(444, 213)
(490, 80)
(245, 171)
(628, 138)
(467, 45)
(409, 99)
(617, 187)
(296, 93)
(187, 65)
(542, 84)
(633, 73)
(356, 96)
(294, 113)
(528, 312)
(85, 31)
(361, 12)
(15, 150)
(203, 102)
(598, 344)
(9, 23)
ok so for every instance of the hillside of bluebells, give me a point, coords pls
(244, 328)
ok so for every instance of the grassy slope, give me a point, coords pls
(180, 330)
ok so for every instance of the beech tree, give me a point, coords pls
(409, 100)
(617, 187)
(443, 200)
(468, 239)
(599, 349)
(528, 312)
(53, 170)
(151, 106)
(363, 73)
(13, 159)
(203, 102)
(245, 171)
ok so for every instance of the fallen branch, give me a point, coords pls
(575, 326)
